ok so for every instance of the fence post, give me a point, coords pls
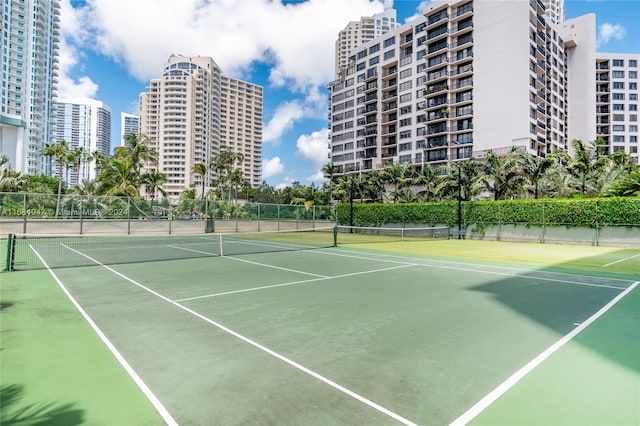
(128, 215)
(499, 223)
(170, 215)
(24, 213)
(80, 214)
(597, 242)
(278, 216)
(544, 224)
(258, 217)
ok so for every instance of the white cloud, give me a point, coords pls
(72, 33)
(285, 115)
(234, 33)
(609, 31)
(314, 147)
(271, 167)
(419, 11)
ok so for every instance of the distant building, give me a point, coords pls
(129, 124)
(191, 111)
(241, 124)
(617, 101)
(358, 32)
(83, 123)
(29, 58)
(457, 81)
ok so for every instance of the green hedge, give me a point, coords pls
(590, 213)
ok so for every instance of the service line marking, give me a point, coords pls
(621, 260)
(292, 283)
(259, 346)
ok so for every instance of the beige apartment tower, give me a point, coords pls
(192, 110)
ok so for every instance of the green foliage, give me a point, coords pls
(530, 212)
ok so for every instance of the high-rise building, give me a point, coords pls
(456, 82)
(617, 102)
(555, 10)
(129, 124)
(191, 111)
(241, 124)
(358, 32)
(82, 123)
(29, 58)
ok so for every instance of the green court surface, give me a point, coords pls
(414, 332)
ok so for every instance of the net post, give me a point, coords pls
(10, 252)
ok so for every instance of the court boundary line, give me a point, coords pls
(157, 404)
(492, 396)
(259, 346)
(264, 287)
(621, 260)
(425, 262)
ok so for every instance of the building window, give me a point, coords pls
(633, 74)
(618, 96)
(374, 60)
(390, 41)
(618, 127)
(633, 63)
(389, 54)
(633, 107)
(633, 128)
(633, 138)
(618, 117)
(374, 48)
(618, 63)
(633, 96)
(633, 86)
(618, 138)
(618, 107)
(618, 85)
(618, 74)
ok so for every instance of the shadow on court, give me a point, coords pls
(14, 413)
(615, 336)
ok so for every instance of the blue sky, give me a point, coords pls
(112, 48)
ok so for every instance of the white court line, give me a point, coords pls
(259, 346)
(254, 263)
(291, 283)
(422, 262)
(141, 384)
(621, 260)
(490, 398)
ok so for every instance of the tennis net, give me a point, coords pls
(25, 252)
(364, 234)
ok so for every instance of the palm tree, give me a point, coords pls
(627, 187)
(61, 153)
(500, 174)
(329, 170)
(222, 164)
(428, 178)
(585, 163)
(398, 175)
(153, 182)
(201, 170)
(138, 150)
(119, 178)
(463, 178)
(11, 181)
(535, 168)
(49, 151)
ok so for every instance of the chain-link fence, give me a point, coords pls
(22, 213)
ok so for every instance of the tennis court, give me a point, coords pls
(289, 331)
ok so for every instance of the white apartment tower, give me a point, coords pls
(617, 102)
(456, 82)
(555, 10)
(83, 123)
(129, 124)
(29, 58)
(241, 124)
(358, 32)
(190, 111)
